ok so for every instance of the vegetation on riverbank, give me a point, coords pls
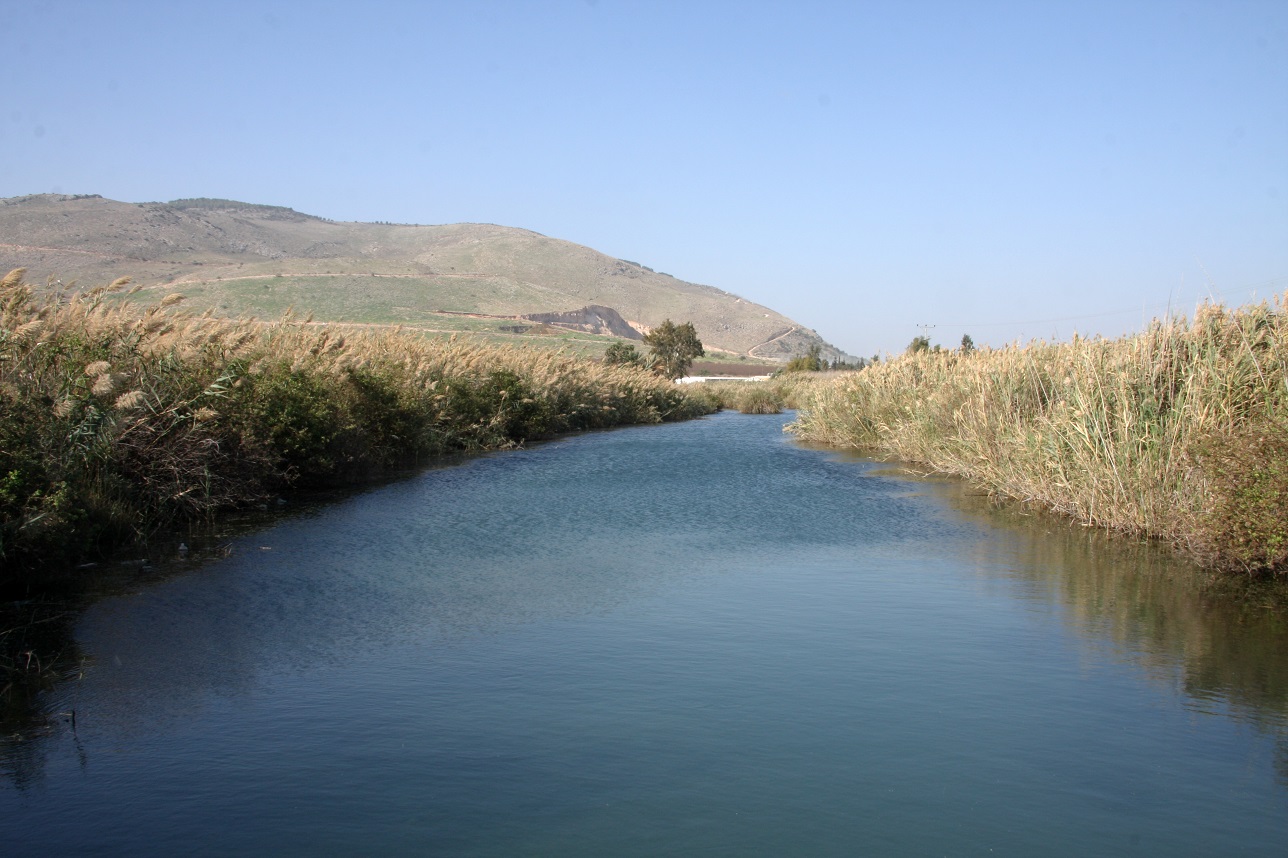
(1179, 433)
(116, 420)
(770, 396)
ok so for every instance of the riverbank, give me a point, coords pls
(117, 420)
(1179, 433)
(771, 395)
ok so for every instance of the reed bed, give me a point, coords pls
(118, 419)
(1178, 433)
(769, 396)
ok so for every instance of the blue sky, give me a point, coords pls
(1006, 169)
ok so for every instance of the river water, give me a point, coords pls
(692, 639)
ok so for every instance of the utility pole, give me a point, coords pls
(925, 332)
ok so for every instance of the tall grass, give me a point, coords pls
(1179, 432)
(768, 396)
(117, 419)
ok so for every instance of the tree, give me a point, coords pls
(623, 353)
(812, 362)
(674, 348)
(968, 345)
(918, 344)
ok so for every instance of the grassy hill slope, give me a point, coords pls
(240, 258)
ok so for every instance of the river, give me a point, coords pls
(690, 639)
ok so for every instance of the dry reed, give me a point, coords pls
(116, 419)
(769, 396)
(1179, 433)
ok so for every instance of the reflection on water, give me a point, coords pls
(684, 638)
(1222, 641)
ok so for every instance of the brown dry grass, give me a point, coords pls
(1179, 433)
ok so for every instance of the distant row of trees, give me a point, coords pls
(922, 344)
(813, 361)
(672, 349)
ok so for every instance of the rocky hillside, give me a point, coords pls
(244, 259)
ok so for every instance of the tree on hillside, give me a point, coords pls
(673, 348)
(623, 353)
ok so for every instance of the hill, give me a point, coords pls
(245, 259)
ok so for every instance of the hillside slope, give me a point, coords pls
(241, 258)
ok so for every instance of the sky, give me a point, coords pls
(1008, 170)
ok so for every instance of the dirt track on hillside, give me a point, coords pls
(751, 352)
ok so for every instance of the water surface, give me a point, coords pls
(685, 639)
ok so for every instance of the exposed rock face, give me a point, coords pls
(594, 319)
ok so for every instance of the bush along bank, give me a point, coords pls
(1178, 433)
(118, 419)
(770, 396)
